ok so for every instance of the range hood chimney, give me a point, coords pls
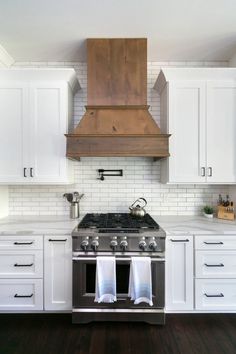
(117, 121)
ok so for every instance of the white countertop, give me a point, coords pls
(197, 225)
(37, 225)
(63, 225)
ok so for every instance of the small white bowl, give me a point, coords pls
(209, 216)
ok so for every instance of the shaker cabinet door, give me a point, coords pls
(187, 125)
(48, 124)
(57, 273)
(221, 132)
(34, 119)
(179, 273)
(13, 132)
(200, 116)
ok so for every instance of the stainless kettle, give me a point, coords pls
(137, 209)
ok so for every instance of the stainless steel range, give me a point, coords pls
(122, 236)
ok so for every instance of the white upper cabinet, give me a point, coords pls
(36, 111)
(221, 131)
(48, 109)
(13, 113)
(198, 109)
(187, 109)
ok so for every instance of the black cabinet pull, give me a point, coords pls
(57, 240)
(216, 295)
(23, 243)
(213, 243)
(25, 172)
(203, 171)
(23, 265)
(209, 171)
(31, 172)
(187, 240)
(16, 295)
(214, 265)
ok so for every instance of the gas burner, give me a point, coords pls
(117, 221)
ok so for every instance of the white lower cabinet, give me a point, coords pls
(57, 273)
(201, 273)
(21, 294)
(215, 242)
(21, 273)
(215, 294)
(35, 273)
(215, 273)
(215, 264)
(179, 273)
(19, 243)
(24, 264)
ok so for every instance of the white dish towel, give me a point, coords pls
(140, 280)
(105, 280)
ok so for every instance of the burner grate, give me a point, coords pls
(117, 221)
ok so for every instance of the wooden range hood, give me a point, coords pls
(117, 121)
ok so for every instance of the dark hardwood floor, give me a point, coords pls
(54, 334)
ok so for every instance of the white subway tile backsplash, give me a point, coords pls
(141, 175)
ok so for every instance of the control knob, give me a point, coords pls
(84, 245)
(123, 245)
(94, 245)
(152, 245)
(113, 244)
(142, 245)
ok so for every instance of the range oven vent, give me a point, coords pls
(117, 121)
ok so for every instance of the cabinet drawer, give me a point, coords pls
(24, 264)
(22, 294)
(215, 294)
(21, 242)
(215, 264)
(215, 242)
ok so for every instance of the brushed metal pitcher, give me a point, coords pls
(74, 210)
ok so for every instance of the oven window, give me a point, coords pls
(122, 278)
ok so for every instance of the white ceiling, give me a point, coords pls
(55, 30)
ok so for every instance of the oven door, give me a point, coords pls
(84, 275)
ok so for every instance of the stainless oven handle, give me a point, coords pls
(128, 259)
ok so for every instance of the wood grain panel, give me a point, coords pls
(98, 75)
(117, 71)
(136, 71)
(151, 146)
(117, 121)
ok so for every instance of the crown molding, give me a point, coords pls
(6, 59)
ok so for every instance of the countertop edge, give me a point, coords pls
(62, 225)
